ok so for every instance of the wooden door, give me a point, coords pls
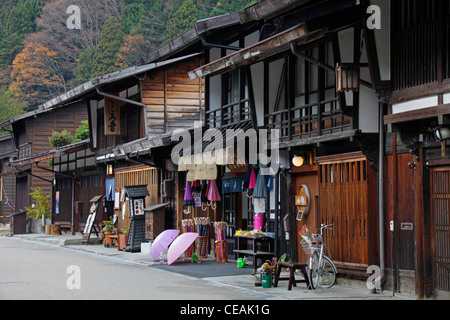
(347, 200)
(440, 211)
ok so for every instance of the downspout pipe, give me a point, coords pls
(220, 46)
(381, 192)
(120, 98)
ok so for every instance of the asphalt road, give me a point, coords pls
(33, 271)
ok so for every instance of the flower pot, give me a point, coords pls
(122, 241)
(107, 241)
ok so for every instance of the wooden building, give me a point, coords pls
(7, 179)
(31, 132)
(130, 112)
(310, 70)
(417, 160)
(74, 182)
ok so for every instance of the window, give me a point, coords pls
(420, 42)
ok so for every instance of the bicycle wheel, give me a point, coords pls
(327, 274)
(314, 270)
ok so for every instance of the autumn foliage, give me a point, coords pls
(36, 74)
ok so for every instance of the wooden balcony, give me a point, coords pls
(306, 122)
(229, 115)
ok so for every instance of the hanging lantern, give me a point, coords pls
(347, 77)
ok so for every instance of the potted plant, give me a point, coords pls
(122, 239)
(39, 213)
(107, 231)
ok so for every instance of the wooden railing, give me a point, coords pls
(306, 121)
(228, 115)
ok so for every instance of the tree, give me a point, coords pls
(107, 50)
(135, 47)
(36, 74)
(10, 46)
(9, 106)
(83, 69)
(72, 43)
(82, 132)
(182, 18)
(61, 139)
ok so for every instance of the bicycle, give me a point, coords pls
(322, 271)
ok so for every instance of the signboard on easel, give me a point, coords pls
(90, 222)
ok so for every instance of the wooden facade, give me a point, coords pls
(163, 100)
(385, 191)
(132, 177)
(417, 250)
(31, 136)
(7, 180)
(172, 100)
(285, 80)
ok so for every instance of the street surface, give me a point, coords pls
(38, 271)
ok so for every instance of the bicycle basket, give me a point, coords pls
(308, 247)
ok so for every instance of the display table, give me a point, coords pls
(254, 252)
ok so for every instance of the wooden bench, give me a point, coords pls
(114, 239)
(64, 225)
(293, 266)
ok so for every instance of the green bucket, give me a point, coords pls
(241, 263)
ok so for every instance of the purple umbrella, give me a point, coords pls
(162, 242)
(180, 245)
(188, 199)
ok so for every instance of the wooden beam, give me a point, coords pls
(417, 114)
(325, 138)
(259, 51)
(268, 9)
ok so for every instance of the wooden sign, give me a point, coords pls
(303, 202)
(112, 116)
(90, 222)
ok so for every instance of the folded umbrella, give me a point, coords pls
(196, 187)
(162, 242)
(188, 200)
(180, 245)
(213, 192)
(260, 190)
(251, 183)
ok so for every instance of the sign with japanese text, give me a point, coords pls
(112, 116)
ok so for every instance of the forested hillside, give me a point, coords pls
(40, 57)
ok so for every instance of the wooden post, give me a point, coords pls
(419, 223)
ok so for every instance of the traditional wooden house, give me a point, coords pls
(417, 163)
(7, 180)
(131, 112)
(312, 72)
(31, 132)
(74, 179)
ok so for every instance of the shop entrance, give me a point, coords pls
(440, 211)
(238, 214)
